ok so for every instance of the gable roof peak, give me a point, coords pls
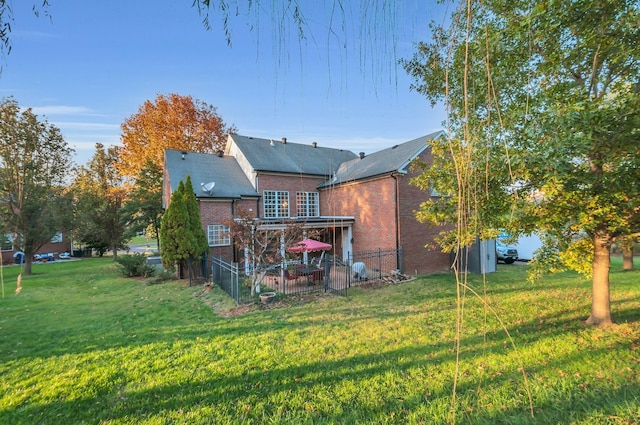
(286, 157)
(394, 159)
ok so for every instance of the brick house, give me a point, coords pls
(358, 202)
(58, 244)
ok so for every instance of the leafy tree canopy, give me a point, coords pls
(34, 162)
(170, 122)
(544, 102)
(100, 196)
(144, 204)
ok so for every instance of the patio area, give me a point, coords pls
(313, 281)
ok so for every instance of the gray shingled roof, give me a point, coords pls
(294, 158)
(230, 181)
(393, 159)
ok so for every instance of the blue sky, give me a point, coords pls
(94, 63)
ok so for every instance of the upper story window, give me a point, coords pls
(308, 204)
(276, 203)
(218, 235)
(6, 242)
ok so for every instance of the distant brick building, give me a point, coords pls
(359, 202)
(59, 244)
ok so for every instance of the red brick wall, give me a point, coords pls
(292, 184)
(220, 212)
(372, 204)
(414, 235)
(7, 257)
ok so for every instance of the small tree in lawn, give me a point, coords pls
(181, 233)
(262, 246)
(198, 243)
(100, 194)
(144, 205)
(172, 230)
(627, 244)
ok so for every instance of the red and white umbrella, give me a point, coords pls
(309, 245)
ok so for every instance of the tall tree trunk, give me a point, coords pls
(601, 302)
(627, 257)
(156, 227)
(27, 265)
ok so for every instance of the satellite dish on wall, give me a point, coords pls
(208, 188)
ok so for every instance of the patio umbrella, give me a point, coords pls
(309, 245)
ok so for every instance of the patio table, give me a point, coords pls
(313, 274)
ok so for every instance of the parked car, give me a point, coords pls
(506, 253)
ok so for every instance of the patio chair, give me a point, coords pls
(318, 276)
(288, 276)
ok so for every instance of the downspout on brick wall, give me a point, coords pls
(397, 212)
(234, 250)
(397, 198)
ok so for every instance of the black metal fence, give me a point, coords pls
(375, 265)
(226, 276)
(296, 279)
(332, 275)
(196, 271)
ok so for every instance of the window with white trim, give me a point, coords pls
(275, 203)
(218, 235)
(308, 204)
(6, 242)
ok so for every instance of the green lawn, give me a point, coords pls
(79, 344)
(142, 240)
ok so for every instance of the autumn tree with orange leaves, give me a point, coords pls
(170, 122)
